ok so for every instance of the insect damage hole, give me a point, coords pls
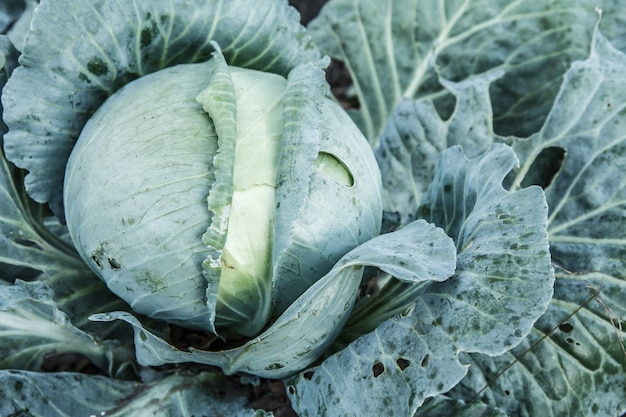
(95, 259)
(114, 264)
(333, 168)
(403, 363)
(545, 167)
(378, 369)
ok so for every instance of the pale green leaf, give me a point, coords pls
(574, 362)
(588, 196)
(219, 102)
(504, 277)
(445, 406)
(318, 220)
(415, 135)
(32, 327)
(71, 395)
(395, 49)
(570, 365)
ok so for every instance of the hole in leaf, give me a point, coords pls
(114, 264)
(291, 390)
(402, 363)
(95, 259)
(425, 360)
(545, 167)
(566, 327)
(378, 369)
(308, 9)
(330, 166)
(369, 288)
(507, 392)
(308, 375)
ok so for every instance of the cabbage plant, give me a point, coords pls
(195, 222)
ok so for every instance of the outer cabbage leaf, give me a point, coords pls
(503, 283)
(69, 394)
(397, 49)
(79, 52)
(569, 364)
(302, 333)
(588, 196)
(32, 327)
(310, 203)
(32, 244)
(415, 135)
(445, 406)
(24, 242)
(504, 276)
(579, 368)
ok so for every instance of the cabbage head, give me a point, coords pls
(203, 171)
(170, 196)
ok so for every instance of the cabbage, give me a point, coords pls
(170, 197)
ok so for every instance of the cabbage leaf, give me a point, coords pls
(33, 245)
(69, 394)
(32, 329)
(397, 49)
(573, 362)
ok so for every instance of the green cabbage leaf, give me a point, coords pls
(68, 394)
(573, 362)
(397, 49)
